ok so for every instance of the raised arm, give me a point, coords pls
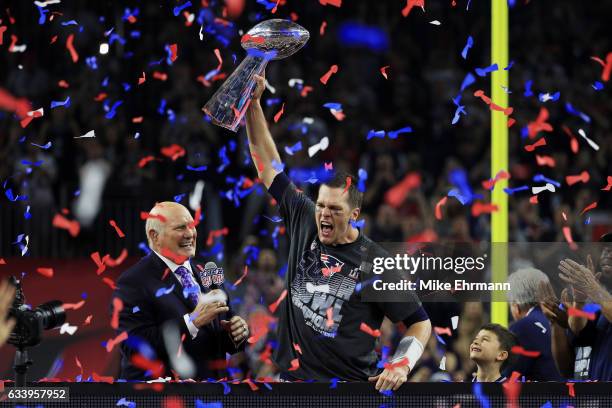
(262, 146)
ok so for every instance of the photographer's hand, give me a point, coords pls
(7, 293)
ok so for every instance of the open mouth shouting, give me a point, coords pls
(326, 229)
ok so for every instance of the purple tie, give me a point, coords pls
(189, 284)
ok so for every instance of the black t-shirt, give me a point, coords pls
(322, 313)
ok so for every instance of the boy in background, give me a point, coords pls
(491, 351)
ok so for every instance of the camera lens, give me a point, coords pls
(51, 314)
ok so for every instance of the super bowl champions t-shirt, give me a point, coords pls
(320, 319)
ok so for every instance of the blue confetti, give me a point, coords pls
(144, 248)
(540, 178)
(27, 215)
(278, 166)
(463, 192)
(123, 402)
(484, 71)
(43, 12)
(293, 149)
(272, 101)
(587, 221)
(357, 224)
(135, 309)
(71, 22)
(393, 133)
(510, 65)
(484, 401)
(92, 62)
(363, 176)
(113, 111)
(164, 291)
(515, 190)
(44, 147)
(598, 86)
(201, 168)
(467, 81)
(177, 10)
(570, 109)
(468, 45)
(179, 197)
(334, 383)
(333, 105)
(547, 404)
(275, 219)
(353, 34)
(11, 197)
(65, 103)
(460, 109)
(375, 133)
(528, 92)
(216, 404)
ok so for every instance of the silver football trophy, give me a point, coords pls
(269, 40)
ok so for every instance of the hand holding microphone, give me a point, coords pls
(209, 306)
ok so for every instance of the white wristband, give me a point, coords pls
(411, 348)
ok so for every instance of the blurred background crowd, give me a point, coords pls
(124, 169)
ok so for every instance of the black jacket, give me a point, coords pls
(137, 286)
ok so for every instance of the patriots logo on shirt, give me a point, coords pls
(332, 265)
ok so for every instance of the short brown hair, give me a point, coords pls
(506, 340)
(339, 180)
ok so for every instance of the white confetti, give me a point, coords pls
(322, 145)
(91, 133)
(67, 328)
(46, 3)
(443, 363)
(201, 34)
(591, 143)
(435, 22)
(455, 322)
(538, 189)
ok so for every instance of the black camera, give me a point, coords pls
(30, 323)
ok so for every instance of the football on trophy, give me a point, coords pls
(277, 36)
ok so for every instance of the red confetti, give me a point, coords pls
(297, 348)
(251, 384)
(142, 79)
(95, 256)
(110, 283)
(78, 363)
(279, 113)
(258, 163)
(335, 3)
(395, 195)
(511, 121)
(574, 145)
(215, 234)
(527, 353)
(87, 320)
(218, 55)
(196, 218)
(305, 90)
(272, 308)
(570, 387)
(332, 70)
(567, 233)
(173, 151)
(582, 177)
(46, 272)
(607, 66)
(321, 29)
(367, 329)
(2, 30)
(73, 227)
(295, 364)
(143, 162)
(2, 261)
(572, 311)
(111, 343)
(73, 54)
(402, 363)
(540, 124)
(489, 184)
(383, 71)
(533, 199)
(275, 7)
(174, 257)
(103, 378)
(480, 94)
(144, 215)
(8, 102)
(532, 147)
(443, 330)
(173, 52)
(347, 185)
(117, 308)
(412, 3)
(63, 84)
(545, 161)
(244, 274)
(482, 208)
(609, 186)
(100, 97)
(438, 211)
(589, 207)
(73, 306)
(162, 76)
(155, 366)
(117, 229)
